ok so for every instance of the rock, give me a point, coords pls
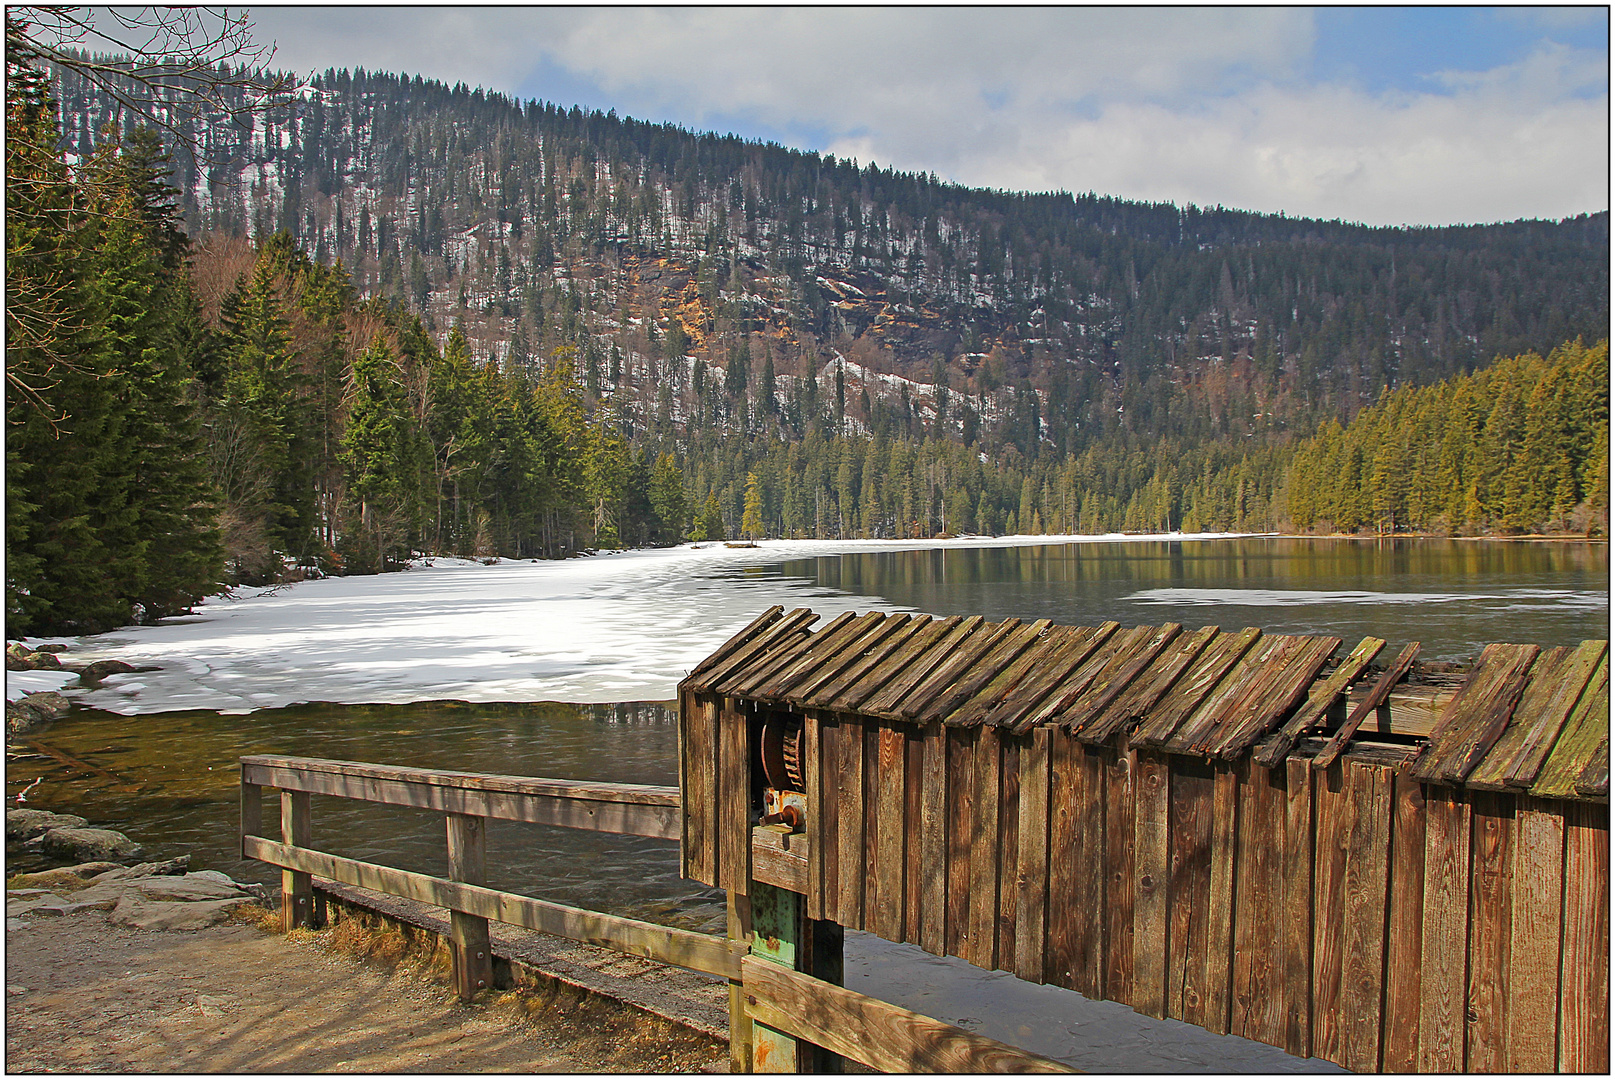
(20, 657)
(15, 908)
(145, 869)
(100, 669)
(221, 878)
(53, 647)
(33, 711)
(187, 889)
(133, 910)
(27, 824)
(62, 879)
(72, 908)
(87, 844)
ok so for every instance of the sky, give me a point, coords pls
(1382, 115)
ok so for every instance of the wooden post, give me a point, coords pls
(296, 886)
(468, 934)
(739, 1023)
(252, 810)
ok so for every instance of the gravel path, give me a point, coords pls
(86, 996)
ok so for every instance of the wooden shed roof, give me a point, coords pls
(1524, 719)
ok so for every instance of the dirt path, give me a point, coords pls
(86, 996)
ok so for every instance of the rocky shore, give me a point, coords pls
(35, 710)
(103, 875)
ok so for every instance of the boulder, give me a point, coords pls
(134, 910)
(96, 671)
(25, 824)
(88, 844)
(22, 905)
(187, 889)
(20, 657)
(145, 869)
(33, 711)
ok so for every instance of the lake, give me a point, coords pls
(170, 779)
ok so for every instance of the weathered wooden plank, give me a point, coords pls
(785, 634)
(813, 778)
(1404, 928)
(745, 634)
(1332, 797)
(1258, 938)
(1536, 884)
(1088, 896)
(885, 1037)
(968, 681)
(850, 810)
(1578, 742)
(780, 857)
(1023, 707)
(734, 798)
(1006, 681)
(740, 933)
(934, 841)
(1152, 872)
(1594, 779)
(1584, 973)
(1009, 797)
(1062, 861)
(1377, 695)
(961, 799)
(1032, 878)
(298, 773)
(1362, 974)
(1490, 916)
(1116, 957)
(911, 652)
(769, 675)
(1090, 712)
(296, 887)
(984, 851)
(1445, 939)
(1477, 715)
(827, 817)
(1269, 695)
(1245, 679)
(914, 833)
(891, 830)
(1319, 699)
(698, 769)
(1156, 681)
(471, 957)
(911, 670)
(682, 948)
(812, 689)
(1296, 907)
(1094, 655)
(1162, 721)
(906, 629)
(1193, 807)
(872, 823)
(971, 666)
(1217, 978)
(1557, 681)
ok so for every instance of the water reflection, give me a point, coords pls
(1455, 596)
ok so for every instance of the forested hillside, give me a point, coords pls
(389, 318)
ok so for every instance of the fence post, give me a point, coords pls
(468, 934)
(740, 928)
(296, 886)
(252, 811)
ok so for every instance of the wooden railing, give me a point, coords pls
(877, 1033)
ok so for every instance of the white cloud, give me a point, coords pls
(1200, 105)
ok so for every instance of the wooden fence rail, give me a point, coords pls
(874, 1032)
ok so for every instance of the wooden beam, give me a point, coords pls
(296, 888)
(780, 857)
(635, 809)
(883, 1036)
(681, 948)
(252, 809)
(1376, 696)
(1319, 699)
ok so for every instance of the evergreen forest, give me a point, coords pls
(280, 350)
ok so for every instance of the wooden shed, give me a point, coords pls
(1397, 867)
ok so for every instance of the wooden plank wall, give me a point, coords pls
(1350, 913)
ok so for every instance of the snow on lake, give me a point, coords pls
(625, 626)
